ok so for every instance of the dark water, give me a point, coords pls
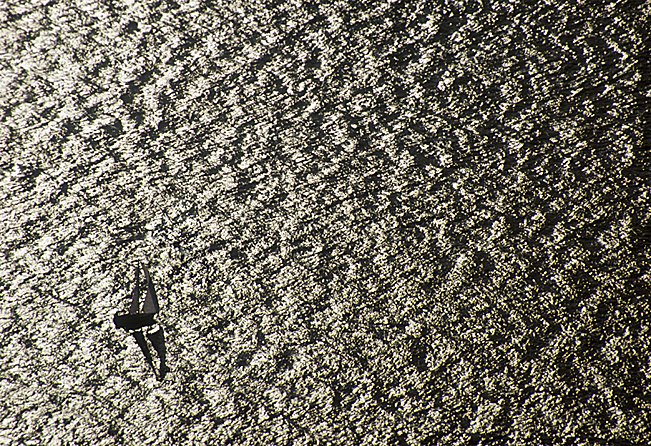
(368, 223)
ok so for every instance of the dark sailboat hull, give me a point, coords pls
(133, 321)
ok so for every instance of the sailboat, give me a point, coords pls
(136, 320)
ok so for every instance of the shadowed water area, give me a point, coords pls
(368, 223)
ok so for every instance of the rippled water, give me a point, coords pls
(368, 223)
